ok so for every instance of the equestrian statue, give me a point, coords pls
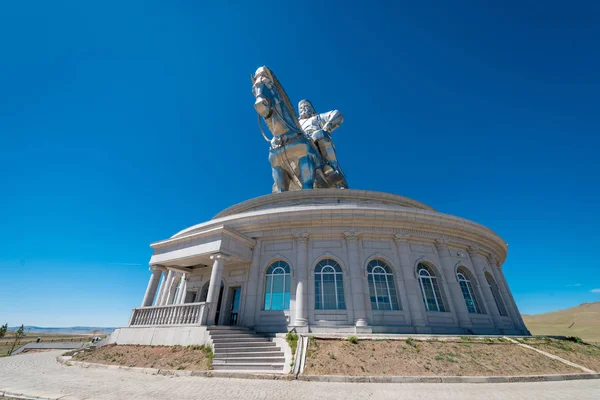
(302, 154)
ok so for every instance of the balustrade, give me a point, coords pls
(177, 314)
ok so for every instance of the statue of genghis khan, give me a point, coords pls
(302, 154)
(319, 127)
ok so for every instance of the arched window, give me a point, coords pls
(467, 291)
(430, 289)
(329, 286)
(496, 294)
(381, 286)
(277, 287)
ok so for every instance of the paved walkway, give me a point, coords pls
(39, 374)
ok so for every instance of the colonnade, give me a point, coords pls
(173, 286)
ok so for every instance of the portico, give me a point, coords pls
(186, 284)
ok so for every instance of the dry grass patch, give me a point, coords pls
(582, 321)
(7, 341)
(162, 357)
(579, 353)
(429, 358)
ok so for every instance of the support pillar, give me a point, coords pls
(173, 288)
(413, 290)
(181, 291)
(164, 290)
(479, 265)
(301, 284)
(214, 286)
(152, 286)
(356, 280)
(456, 297)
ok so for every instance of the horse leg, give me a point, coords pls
(306, 165)
(281, 179)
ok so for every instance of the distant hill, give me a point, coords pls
(582, 321)
(73, 330)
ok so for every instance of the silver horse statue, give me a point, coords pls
(295, 159)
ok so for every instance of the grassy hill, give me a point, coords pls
(582, 321)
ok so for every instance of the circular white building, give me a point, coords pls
(327, 261)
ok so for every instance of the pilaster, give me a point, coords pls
(301, 280)
(511, 305)
(252, 308)
(456, 297)
(479, 264)
(411, 285)
(356, 280)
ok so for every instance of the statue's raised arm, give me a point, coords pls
(301, 158)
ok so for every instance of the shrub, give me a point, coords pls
(292, 340)
(208, 353)
(331, 355)
(410, 341)
(353, 339)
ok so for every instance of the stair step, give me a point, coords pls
(237, 336)
(232, 333)
(255, 349)
(264, 367)
(243, 344)
(226, 328)
(248, 360)
(249, 339)
(264, 353)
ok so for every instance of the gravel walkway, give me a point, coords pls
(39, 374)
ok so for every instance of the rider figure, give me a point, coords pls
(319, 127)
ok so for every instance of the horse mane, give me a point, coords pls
(285, 98)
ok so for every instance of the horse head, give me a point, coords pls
(273, 104)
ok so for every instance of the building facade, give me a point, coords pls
(332, 261)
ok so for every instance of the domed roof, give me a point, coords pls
(324, 197)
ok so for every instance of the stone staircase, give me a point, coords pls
(240, 349)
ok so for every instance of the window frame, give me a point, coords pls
(393, 301)
(437, 295)
(463, 272)
(270, 273)
(334, 269)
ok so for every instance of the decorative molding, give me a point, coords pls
(302, 237)
(220, 256)
(441, 243)
(401, 238)
(351, 236)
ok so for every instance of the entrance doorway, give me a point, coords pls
(234, 308)
(218, 314)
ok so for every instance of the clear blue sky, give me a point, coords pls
(122, 123)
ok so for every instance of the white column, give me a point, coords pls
(181, 290)
(511, 305)
(301, 284)
(173, 288)
(356, 280)
(214, 285)
(164, 290)
(254, 280)
(152, 286)
(479, 264)
(413, 290)
(456, 297)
